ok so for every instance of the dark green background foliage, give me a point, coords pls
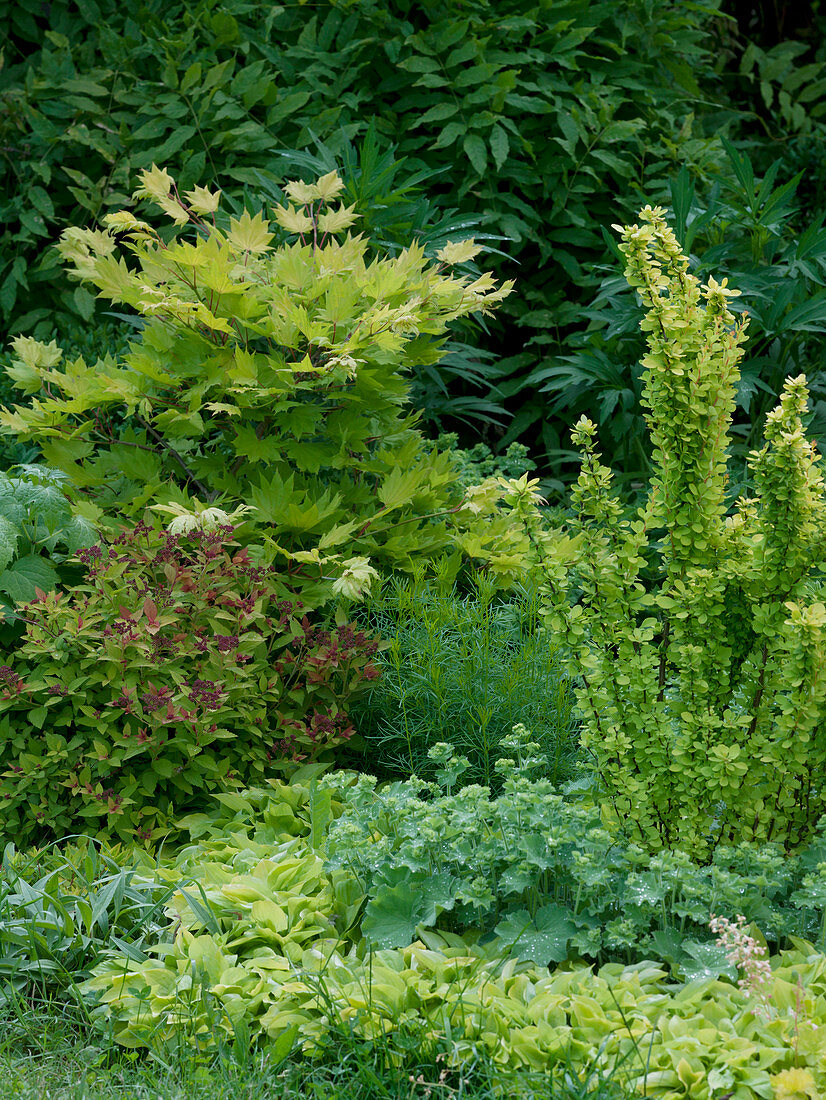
(543, 122)
(748, 226)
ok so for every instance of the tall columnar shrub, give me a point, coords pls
(272, 370)
(703, 693)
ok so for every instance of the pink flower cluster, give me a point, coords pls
(744, 952)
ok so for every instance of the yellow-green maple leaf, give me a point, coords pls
(294, 221)
(333, 221)
(156, 183)
(329, 186)
(250, 233)
(202, 200)
(458, 252)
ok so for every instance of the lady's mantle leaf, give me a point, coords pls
(543, 940)
(391, 918)
(705, 961)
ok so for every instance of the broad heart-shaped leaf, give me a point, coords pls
(22, 577)
(77, 534)
(393, 915)
(9, 534)
(12, 507)
(543, 940)
(44, 505)
(702, 961)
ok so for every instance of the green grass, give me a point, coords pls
(46, 1053)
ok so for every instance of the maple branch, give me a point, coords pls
(190, 476)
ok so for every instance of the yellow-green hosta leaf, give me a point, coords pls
(208, 957)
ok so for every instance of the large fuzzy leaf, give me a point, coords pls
(25, 575)
(9, 534)
(77, 534)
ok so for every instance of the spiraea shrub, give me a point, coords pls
(702, 693)
(178, 668)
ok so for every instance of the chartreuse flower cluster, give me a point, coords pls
(263, 935)
(702, 693)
